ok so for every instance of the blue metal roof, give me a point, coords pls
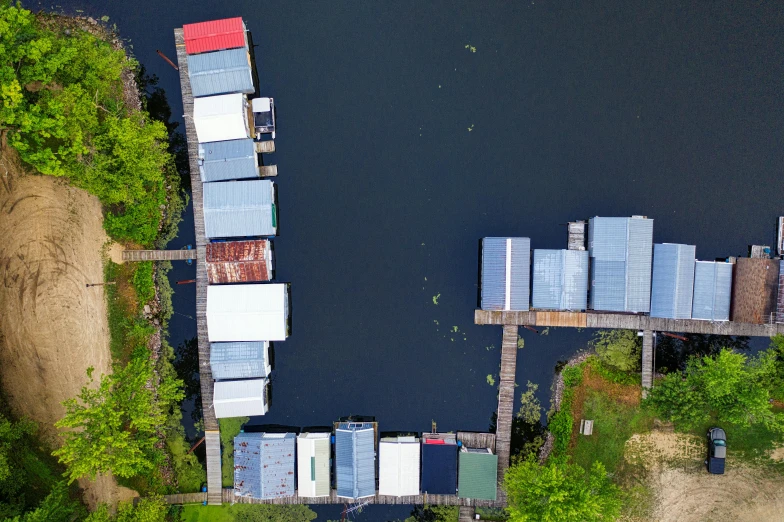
(622, 250)
(227, 160)
(264, 465)
(506, 265)
(673, 281)
(712, 291)
(221, 72)
(439, 469)
(239, 360)
(355, 460)
(239, 209)
(560, 279)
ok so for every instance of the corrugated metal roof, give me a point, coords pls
(622, 250)
(227, 160)
(239, 209)
(673, 280)
(478, 475)
(239, 360)
(239, 398)
(313, 452)
(506, 265)
(560, 279)
(712, 291)
(439, 468)
(355, 467)
(221, 72)
(214, 35)
(221, 118)
(239, 261)
(264, 465)
(252, 312)
(398, 466)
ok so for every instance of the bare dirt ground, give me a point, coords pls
(52, 327)
(685, 492)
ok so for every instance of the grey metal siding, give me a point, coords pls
(712, 291)
(221, 72)
(238, 209)
(227, 160)
(264, 465)
(639, 260)
(238, 360)
(355, 460)
(560, 279)
(673, 281)
(494, 277)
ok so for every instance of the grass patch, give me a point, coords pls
(752, 444)
(255, 512)
(229, 428)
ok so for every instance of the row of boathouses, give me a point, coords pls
(619, 269)
(246, 309)
(279, 465)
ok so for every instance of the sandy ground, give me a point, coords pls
(685, 492)
(52, 327)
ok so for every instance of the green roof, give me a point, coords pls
(477, 477)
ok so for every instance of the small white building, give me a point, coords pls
(398, 466)
(221, 118)
(244, 398)
(313, 451)
(252, 312)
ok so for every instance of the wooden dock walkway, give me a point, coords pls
(466, 514)
(506, 396)
(265, 147)
(205, 373)
(158, 255)
(647, 361)
(625, 322)
(333, 498)
(214, 480)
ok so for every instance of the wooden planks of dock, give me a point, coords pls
(647, 361)
(506, 391)
(158, 255)
(333, 498)
(205, 373)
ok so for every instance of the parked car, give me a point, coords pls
(717, 451)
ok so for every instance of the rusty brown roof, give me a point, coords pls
(754, 290)
(238, 261)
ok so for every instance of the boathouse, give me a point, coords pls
(240, 360)
(439, 463)
(239, 261)
(313, 459)
(244, 398)
(228, 160)
(247, 312)
(222, 118)
(215, 35)
(355, 463)
(621, 251)
(673, 280)
(264, 465)
(478, 474)
(754, 290)
(398, 466)
(221, 72)
(560, 280)
(239, 209)
(506, 265)
(712, 291)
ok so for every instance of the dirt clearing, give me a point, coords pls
(52, 327)
(685, 492)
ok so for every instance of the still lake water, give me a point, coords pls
(399, 147)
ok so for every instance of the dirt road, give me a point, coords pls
(52, 327)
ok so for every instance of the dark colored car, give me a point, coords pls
(717, 451)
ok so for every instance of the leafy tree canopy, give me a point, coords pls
(560, 492)
(620, 349)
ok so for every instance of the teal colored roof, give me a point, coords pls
(478, 475)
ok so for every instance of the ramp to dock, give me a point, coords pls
(214, 482)
(647, 361)
(506, 391)
(158, 255)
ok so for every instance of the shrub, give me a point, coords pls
(620, 349)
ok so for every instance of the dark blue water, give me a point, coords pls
(673, 112)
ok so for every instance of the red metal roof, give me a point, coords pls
(237, 262)
(214, 36)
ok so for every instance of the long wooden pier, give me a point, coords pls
(506, 392)
(647, 361)
(158, 255)
(205, 373)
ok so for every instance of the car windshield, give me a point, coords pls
(719, 442)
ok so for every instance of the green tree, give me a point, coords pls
(620, 349)
(433, 514)
(771, 363)
(151, 509)
(530, 407)
(114, 427)
(560, 491)
(56, 507)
